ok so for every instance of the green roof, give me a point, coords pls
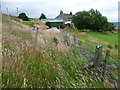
(52, 20)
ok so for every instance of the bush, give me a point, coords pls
(55, 40)
(116, 46)
(110, 46)
(85, 30)
(61, 26)
(48, 24)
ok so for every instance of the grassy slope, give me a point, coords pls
(28, 23)
(106, 37)
(91, 39)
(48, 65)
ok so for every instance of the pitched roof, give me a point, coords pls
(66, 17)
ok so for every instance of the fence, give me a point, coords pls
(99, 66)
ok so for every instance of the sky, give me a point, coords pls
(51, 8)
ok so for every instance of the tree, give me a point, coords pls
(92, 20)
(48, 24)
(42, 16)
(108, 27)
(23, 17)
(81, 20)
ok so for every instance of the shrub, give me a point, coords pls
(55, 40)
(80, 42)
(85, 30)
(61, 26)
(48, 24)
(116, 46)
(110, 46)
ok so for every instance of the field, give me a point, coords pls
(106, 37)
(51, 62)
(90, 40)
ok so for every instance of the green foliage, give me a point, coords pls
(85, 30)
(92, 20)
(23, 17)
(46, 66)
(110, 46)
(55, 40)
(42, 16)
(61, 26)
(81, 20)
(108, 27)
(116, 46)
(48, 24)
(89, 40)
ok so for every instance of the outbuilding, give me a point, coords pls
(53, 21)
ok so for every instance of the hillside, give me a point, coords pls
(50, 62)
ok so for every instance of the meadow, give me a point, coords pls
(51, 63)
(90, 40)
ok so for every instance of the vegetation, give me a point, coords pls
(23, 17)
(52, 64)
(90, 40)
(61, 26)
(29, 23)
(48, 24)
(42, 16)
(92, 20)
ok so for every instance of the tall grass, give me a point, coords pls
(49, 65)
(90, 40)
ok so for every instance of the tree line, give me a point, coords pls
(24, 17)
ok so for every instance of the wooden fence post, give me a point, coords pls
(36, 37)
(10, 22)
(66, 38)
(98, 57)
(74, 40)
(106, 63)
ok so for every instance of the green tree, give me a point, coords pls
(48, 24)
(92, 20)
(108, 26)
(42, 16)
(81, 20)
(97, 20)
(23, 17)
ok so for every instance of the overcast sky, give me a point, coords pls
(51, 8)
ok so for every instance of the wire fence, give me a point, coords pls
(100, 66)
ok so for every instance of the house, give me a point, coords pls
(53, 21)
(65, 17)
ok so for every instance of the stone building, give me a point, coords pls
(66, 17)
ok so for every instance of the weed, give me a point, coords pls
(110, 46)
(55, 40)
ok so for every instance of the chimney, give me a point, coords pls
(70, 13)
(61, 12)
